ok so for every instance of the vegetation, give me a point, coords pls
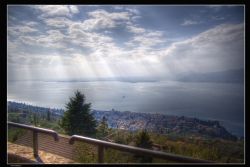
(77, 118)
(30, 118)
(48, 115)
(85, 153)
(15, 133)
(13, 117)
(34, 119)
(218, 150)
(102, 129)
(221, 151)
(143, 140)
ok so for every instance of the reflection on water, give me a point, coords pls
(219, 101)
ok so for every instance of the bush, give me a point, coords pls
(15, 133)
(85, 153)
(143, 140)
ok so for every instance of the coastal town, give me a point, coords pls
(163, 124)
(133, 121)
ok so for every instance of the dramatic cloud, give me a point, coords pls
(73, 9)
(146, 40)
(57, 10)
(110, 43)
(133, 10)
(101, 19)
(216, 49)
(52, 38)
(136, 30)
(190, 22)
(21, 29)
(58, 22)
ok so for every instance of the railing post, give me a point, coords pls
(35, 143)
(100, 153)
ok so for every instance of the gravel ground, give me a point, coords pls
(27, 152)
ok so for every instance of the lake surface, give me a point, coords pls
(218, 101)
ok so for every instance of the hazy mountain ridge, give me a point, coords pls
(28, 107)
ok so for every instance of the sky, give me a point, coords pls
(65, 42)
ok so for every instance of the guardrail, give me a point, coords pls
(136, 150)
(104, 144)
(35, 130)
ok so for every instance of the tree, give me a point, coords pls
(77, 118)
(143, 140)
(34, 119)
(13, 117)
(48, 115)
(102, 129)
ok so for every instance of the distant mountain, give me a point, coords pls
(132, 121)
(231, 76)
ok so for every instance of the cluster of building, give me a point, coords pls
(163, 124)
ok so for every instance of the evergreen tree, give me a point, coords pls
(143, 140)
(102, 129)
(77, 118)
(48, 115)
(34, 119)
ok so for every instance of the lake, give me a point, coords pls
(217, 101)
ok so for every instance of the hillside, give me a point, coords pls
(159, 123)
(182, 135)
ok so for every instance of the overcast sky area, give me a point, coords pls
(64, 42)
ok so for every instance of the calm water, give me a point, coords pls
(220, 101)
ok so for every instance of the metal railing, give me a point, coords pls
(35, 131)
(136, 150)
(104, 144)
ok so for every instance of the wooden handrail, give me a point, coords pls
(104, 144)
(136, 150)
(35, 131)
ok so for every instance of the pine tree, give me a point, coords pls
(102, 129)
(143, 140)
(34, 119)
(77, 118)
(48, 115)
